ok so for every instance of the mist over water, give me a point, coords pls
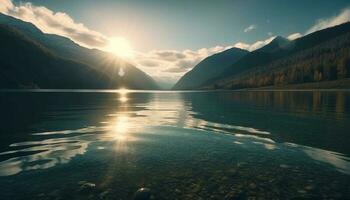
(181, 145)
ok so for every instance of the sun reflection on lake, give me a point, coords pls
(122, 92)
(120, 133)
(122, 125)
(123, 99)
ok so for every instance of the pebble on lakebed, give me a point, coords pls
(85, 186)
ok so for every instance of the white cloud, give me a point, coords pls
(5, 5)
(250, 28)
(294, 36)
(343, 17)
(256, 45)
(56, 23)
(242, 45)
(173, 63)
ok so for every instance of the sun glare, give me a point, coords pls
(121, 47)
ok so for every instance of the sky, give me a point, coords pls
(167, 38)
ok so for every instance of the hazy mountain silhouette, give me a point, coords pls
(27, 64)
(209, 68)
(101, 63)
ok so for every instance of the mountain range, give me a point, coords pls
(33, 59)
(318, 57)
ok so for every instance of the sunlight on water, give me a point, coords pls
(123, 95)
(123, 99)
(122, 125)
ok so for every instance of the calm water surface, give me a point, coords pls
(189, 145)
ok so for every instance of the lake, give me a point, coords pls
(86, 144)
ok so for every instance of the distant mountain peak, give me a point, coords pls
(209, 68)
(280, 40)
(230, 52)
(277, 43)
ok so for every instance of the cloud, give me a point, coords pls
(250, 28)
(294, 36)
(149, 63)
(256, 45)
(169, 55)
(343, 17)
(242, 45)
(173, 63)
(174, 70)
(54, 22)
(5, 5)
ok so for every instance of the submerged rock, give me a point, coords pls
(143, 194)
(86, 186)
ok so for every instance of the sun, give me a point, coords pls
(120, 47)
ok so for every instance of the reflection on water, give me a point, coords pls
(299, 132)
(338, 160)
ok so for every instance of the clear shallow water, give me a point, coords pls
(190, 145)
